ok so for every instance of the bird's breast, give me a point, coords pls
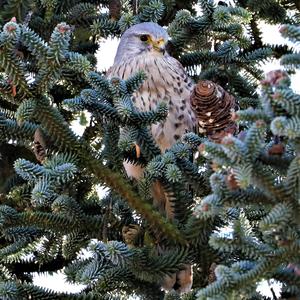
(166, 82)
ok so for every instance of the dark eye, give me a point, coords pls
(144, 37)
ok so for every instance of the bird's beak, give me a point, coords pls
(159, 45)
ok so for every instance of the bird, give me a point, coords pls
(143, 47)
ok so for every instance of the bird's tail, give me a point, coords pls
(182, 280)
(162, 200)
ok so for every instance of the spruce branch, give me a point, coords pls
(64, 137)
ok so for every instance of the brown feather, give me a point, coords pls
(161, 200)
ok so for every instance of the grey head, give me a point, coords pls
(140, 39)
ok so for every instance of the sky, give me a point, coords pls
(105, 57)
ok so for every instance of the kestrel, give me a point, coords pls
(143, 47)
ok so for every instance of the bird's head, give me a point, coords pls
(140, 39)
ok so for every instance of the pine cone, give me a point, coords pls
(213, 107)
(114, 9)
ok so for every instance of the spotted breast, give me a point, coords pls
(168, 82)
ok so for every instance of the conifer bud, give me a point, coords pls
(276, 149)
(201, 148)
(63, 28)
(234, 116)
(11, 28)
(205, 207)
(212, 276)
(276, 78)
(231, 181)
(260, 123)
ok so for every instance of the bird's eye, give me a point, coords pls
(144, 37)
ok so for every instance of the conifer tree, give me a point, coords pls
(235, 198)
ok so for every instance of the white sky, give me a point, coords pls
(105, 58)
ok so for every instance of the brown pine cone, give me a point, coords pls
(213, 107)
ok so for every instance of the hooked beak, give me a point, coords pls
(159, 45)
